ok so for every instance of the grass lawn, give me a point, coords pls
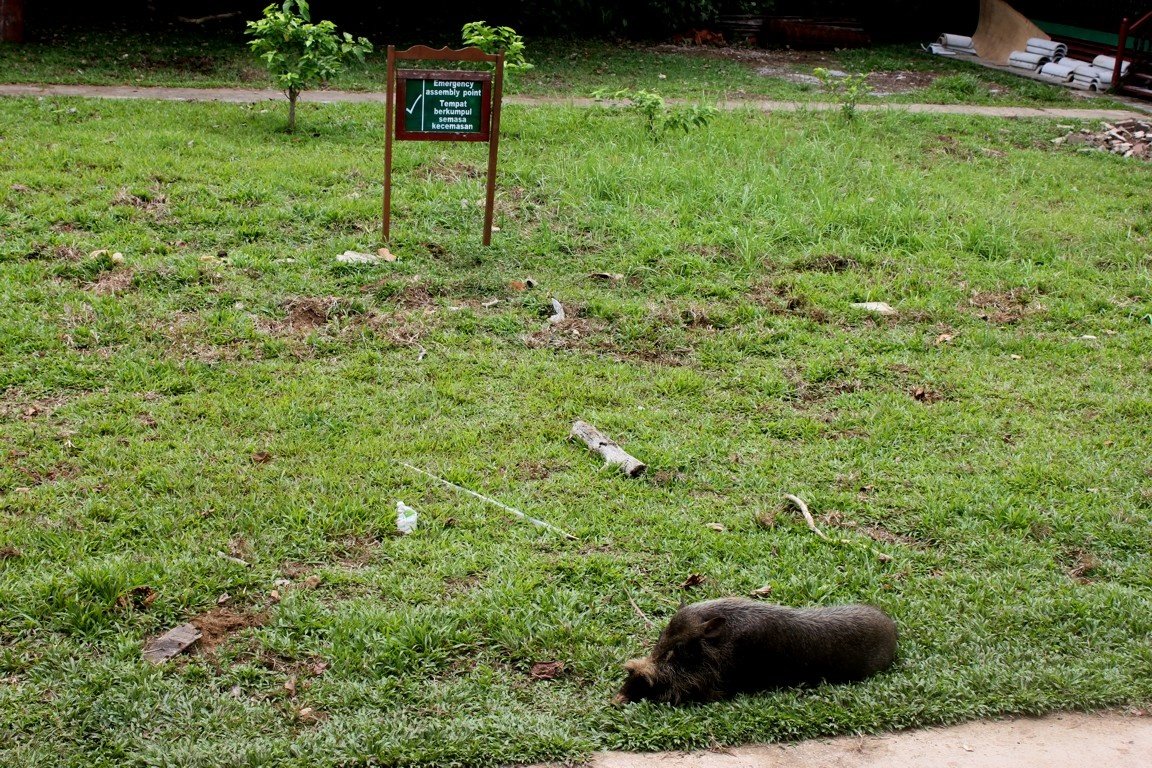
(226, 390)
(901, 73)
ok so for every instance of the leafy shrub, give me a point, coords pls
(658, 116)
(493, 40)
(846, 88)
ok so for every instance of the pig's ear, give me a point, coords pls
(643, 668)
(712, 628)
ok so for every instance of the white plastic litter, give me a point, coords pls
(405, 518)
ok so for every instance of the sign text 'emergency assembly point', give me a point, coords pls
(443, 105)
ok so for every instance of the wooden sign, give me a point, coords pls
(443, 105)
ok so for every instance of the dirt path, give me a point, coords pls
(1069, 740)
(248, 96)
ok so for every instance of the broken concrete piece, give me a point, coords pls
(875, 307)
(172, 642)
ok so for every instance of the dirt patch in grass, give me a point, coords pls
(879, 534)
(538, 470)
(780, 299)
(829, 262)
(12, 403)
(1080, 565)
(766, 57)
(452, 172)
(306, 314)
(155, 203)
(1001, 307)
(68, 253)
(573, 332)
(355, 551)
(219, 624)
(925, 395)
(462, 585)
(111, 283)
(50, 475)
(900, 81)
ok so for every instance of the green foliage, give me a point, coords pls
(659, 118)
(493, 40)
(848, 89)
(298, 53)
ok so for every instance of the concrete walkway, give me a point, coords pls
(1069, 740)
(249, 96)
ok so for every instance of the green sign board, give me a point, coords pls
(443, 105)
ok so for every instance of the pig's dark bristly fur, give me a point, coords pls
(719, 648)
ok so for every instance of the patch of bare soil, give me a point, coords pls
(463, 585)
(828, 262)
(12, 403)
(538, 470)
(1001, 307)
(452, 172)
(780, 299)
(925, 395)
(355, 551)
(900, 81)
(67, 253)
(109, 283)
(1080, 565)
(574, 332)
(56, 472)
(219, 624)
(767, 57)
(155, 203)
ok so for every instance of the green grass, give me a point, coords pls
(980, 439)
(562, 68)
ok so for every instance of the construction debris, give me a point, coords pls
(171, 643)
(1130, 138)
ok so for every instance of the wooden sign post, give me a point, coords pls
(447, 105)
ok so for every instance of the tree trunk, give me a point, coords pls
(293, 94)
(12, 21)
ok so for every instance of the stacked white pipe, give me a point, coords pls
(1027, 61)
(951, 45)
(1059, 72)
(1050, 48)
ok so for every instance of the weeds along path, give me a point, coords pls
(245, 96)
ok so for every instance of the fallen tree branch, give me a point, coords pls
(613, 454)
(636, 608)
(500, 504)
(799, 502)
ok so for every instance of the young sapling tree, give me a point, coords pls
(298, 53)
